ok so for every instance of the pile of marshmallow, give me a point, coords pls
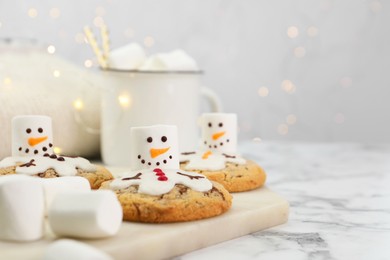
(67, 204)
(71, 207)
(133, 57)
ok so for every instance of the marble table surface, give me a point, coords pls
(339, 196)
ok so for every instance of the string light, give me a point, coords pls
(292, 32)
(291, 119)
(51, 49)
(88, 63)
(7, 81)
(32, 12)
(129, 33)
(124, 100)
(78, 104)
(345, 82)
(263, 91)
(288, 86)
(98, 21)
(54, 13)
(57, 150)
(56, 73)
(149, 41)
(339, 118)
(312, 31)
(376, 6)
(282, 129)
(299, 52)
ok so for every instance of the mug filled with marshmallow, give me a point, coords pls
(141, 90)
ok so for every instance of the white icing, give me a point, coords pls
(31, 135)
(149, 183)
(40, 164)
(213, 162)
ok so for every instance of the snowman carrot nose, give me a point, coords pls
(34, 141)
(218, 135)
(156, 152)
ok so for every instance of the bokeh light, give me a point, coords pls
(51, 49)
(32, 12)
(292, 32)
(54, 13)
(263, 91)
(149, 41)
(299, 52)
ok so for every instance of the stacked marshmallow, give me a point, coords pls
(133, 57)
(73, 210)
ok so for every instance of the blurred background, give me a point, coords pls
(291, 69)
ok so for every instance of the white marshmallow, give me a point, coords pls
(21, 208)
(128, 57)
(53, 186)
(66, 249)
(219, 132)
(93, 214)
(176, 60)
(154, 147)
(31, 135)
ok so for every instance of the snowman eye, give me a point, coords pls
(149, 139)
(28, 130)
(164, 139)
(40, 130)
(220, 124)
(210, 125)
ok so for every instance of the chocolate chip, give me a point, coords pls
(27, 150)
(50, 145)
(44, 149)
(139, 156)
(46, 155)
(53, 156)
(157, 163)
(35, 151)
(142, 161)
(149, 163)
(165, 161)
(61, 159)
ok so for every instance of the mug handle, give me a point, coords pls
(213, 99)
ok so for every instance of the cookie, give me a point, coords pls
(181, 203)
(235, 177)
(51, 166)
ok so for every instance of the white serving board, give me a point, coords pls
(251, 211)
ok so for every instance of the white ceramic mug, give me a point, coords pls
(148, 98)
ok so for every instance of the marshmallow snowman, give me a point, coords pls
(154, 146)
(219, 132)
(31, 135)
